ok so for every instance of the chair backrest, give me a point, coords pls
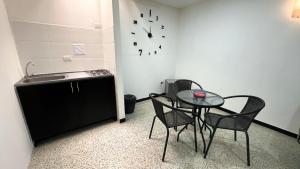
(252, 107)
(158, 107)
(184, 84)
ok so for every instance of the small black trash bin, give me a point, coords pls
(129, 103)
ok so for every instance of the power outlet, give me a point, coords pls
(67, 58)
(162, 85)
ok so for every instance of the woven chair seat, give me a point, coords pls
(177, 118)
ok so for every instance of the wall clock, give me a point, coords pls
(149, 31)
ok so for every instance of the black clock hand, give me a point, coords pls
(145, 30)
(149, 33)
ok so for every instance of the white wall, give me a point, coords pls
(143, 74)
(111, 43)
(245, 47)
(45, 30)
(15, 144)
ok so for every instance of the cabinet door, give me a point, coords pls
(47, 108)
(98, 100)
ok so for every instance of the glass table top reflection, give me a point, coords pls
(209, 101)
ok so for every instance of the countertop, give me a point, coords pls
(69, 76)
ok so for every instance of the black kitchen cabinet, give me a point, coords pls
(54, 108)
(95, 107)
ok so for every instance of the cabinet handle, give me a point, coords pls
(77, 87)
(72, 87)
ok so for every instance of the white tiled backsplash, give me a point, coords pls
(46, 44)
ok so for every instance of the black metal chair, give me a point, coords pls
(173, 118)
(236, 121)
(184, 84)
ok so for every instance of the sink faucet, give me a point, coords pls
(26, 69)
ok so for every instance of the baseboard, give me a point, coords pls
(122, 120)
(275, 128)
(142, 99)
(147, 98)
(288, 133)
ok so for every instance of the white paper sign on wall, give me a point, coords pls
(78, 49)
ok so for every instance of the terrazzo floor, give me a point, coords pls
(126, 146)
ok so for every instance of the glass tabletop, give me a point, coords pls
(211, 99)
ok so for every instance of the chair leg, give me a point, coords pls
(206, 110)
(152, 126)
(175, 119)
(199, 123)
(163, 158)
(181, 131)
(248, 148)
(204, 145)
(195, 135)
(235, 130)
(210, 141)
(205, 126)
(234, 135)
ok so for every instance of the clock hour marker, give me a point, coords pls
(162, 27)
(150, 21)
(155, 52)
(142, 15)
(163, 36)
(159, 47)
(132, 33)
(135, 21)
(156, 18)
(141, 51)
(149, 53)
(134, 44)
(150, 12)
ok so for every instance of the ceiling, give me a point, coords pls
(177, 3)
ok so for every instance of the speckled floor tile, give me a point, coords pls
(112, 145)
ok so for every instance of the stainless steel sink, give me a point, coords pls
(44, 78)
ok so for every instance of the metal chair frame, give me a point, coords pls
(163, 120)
(235, 117)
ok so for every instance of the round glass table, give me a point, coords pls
(211, 100)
